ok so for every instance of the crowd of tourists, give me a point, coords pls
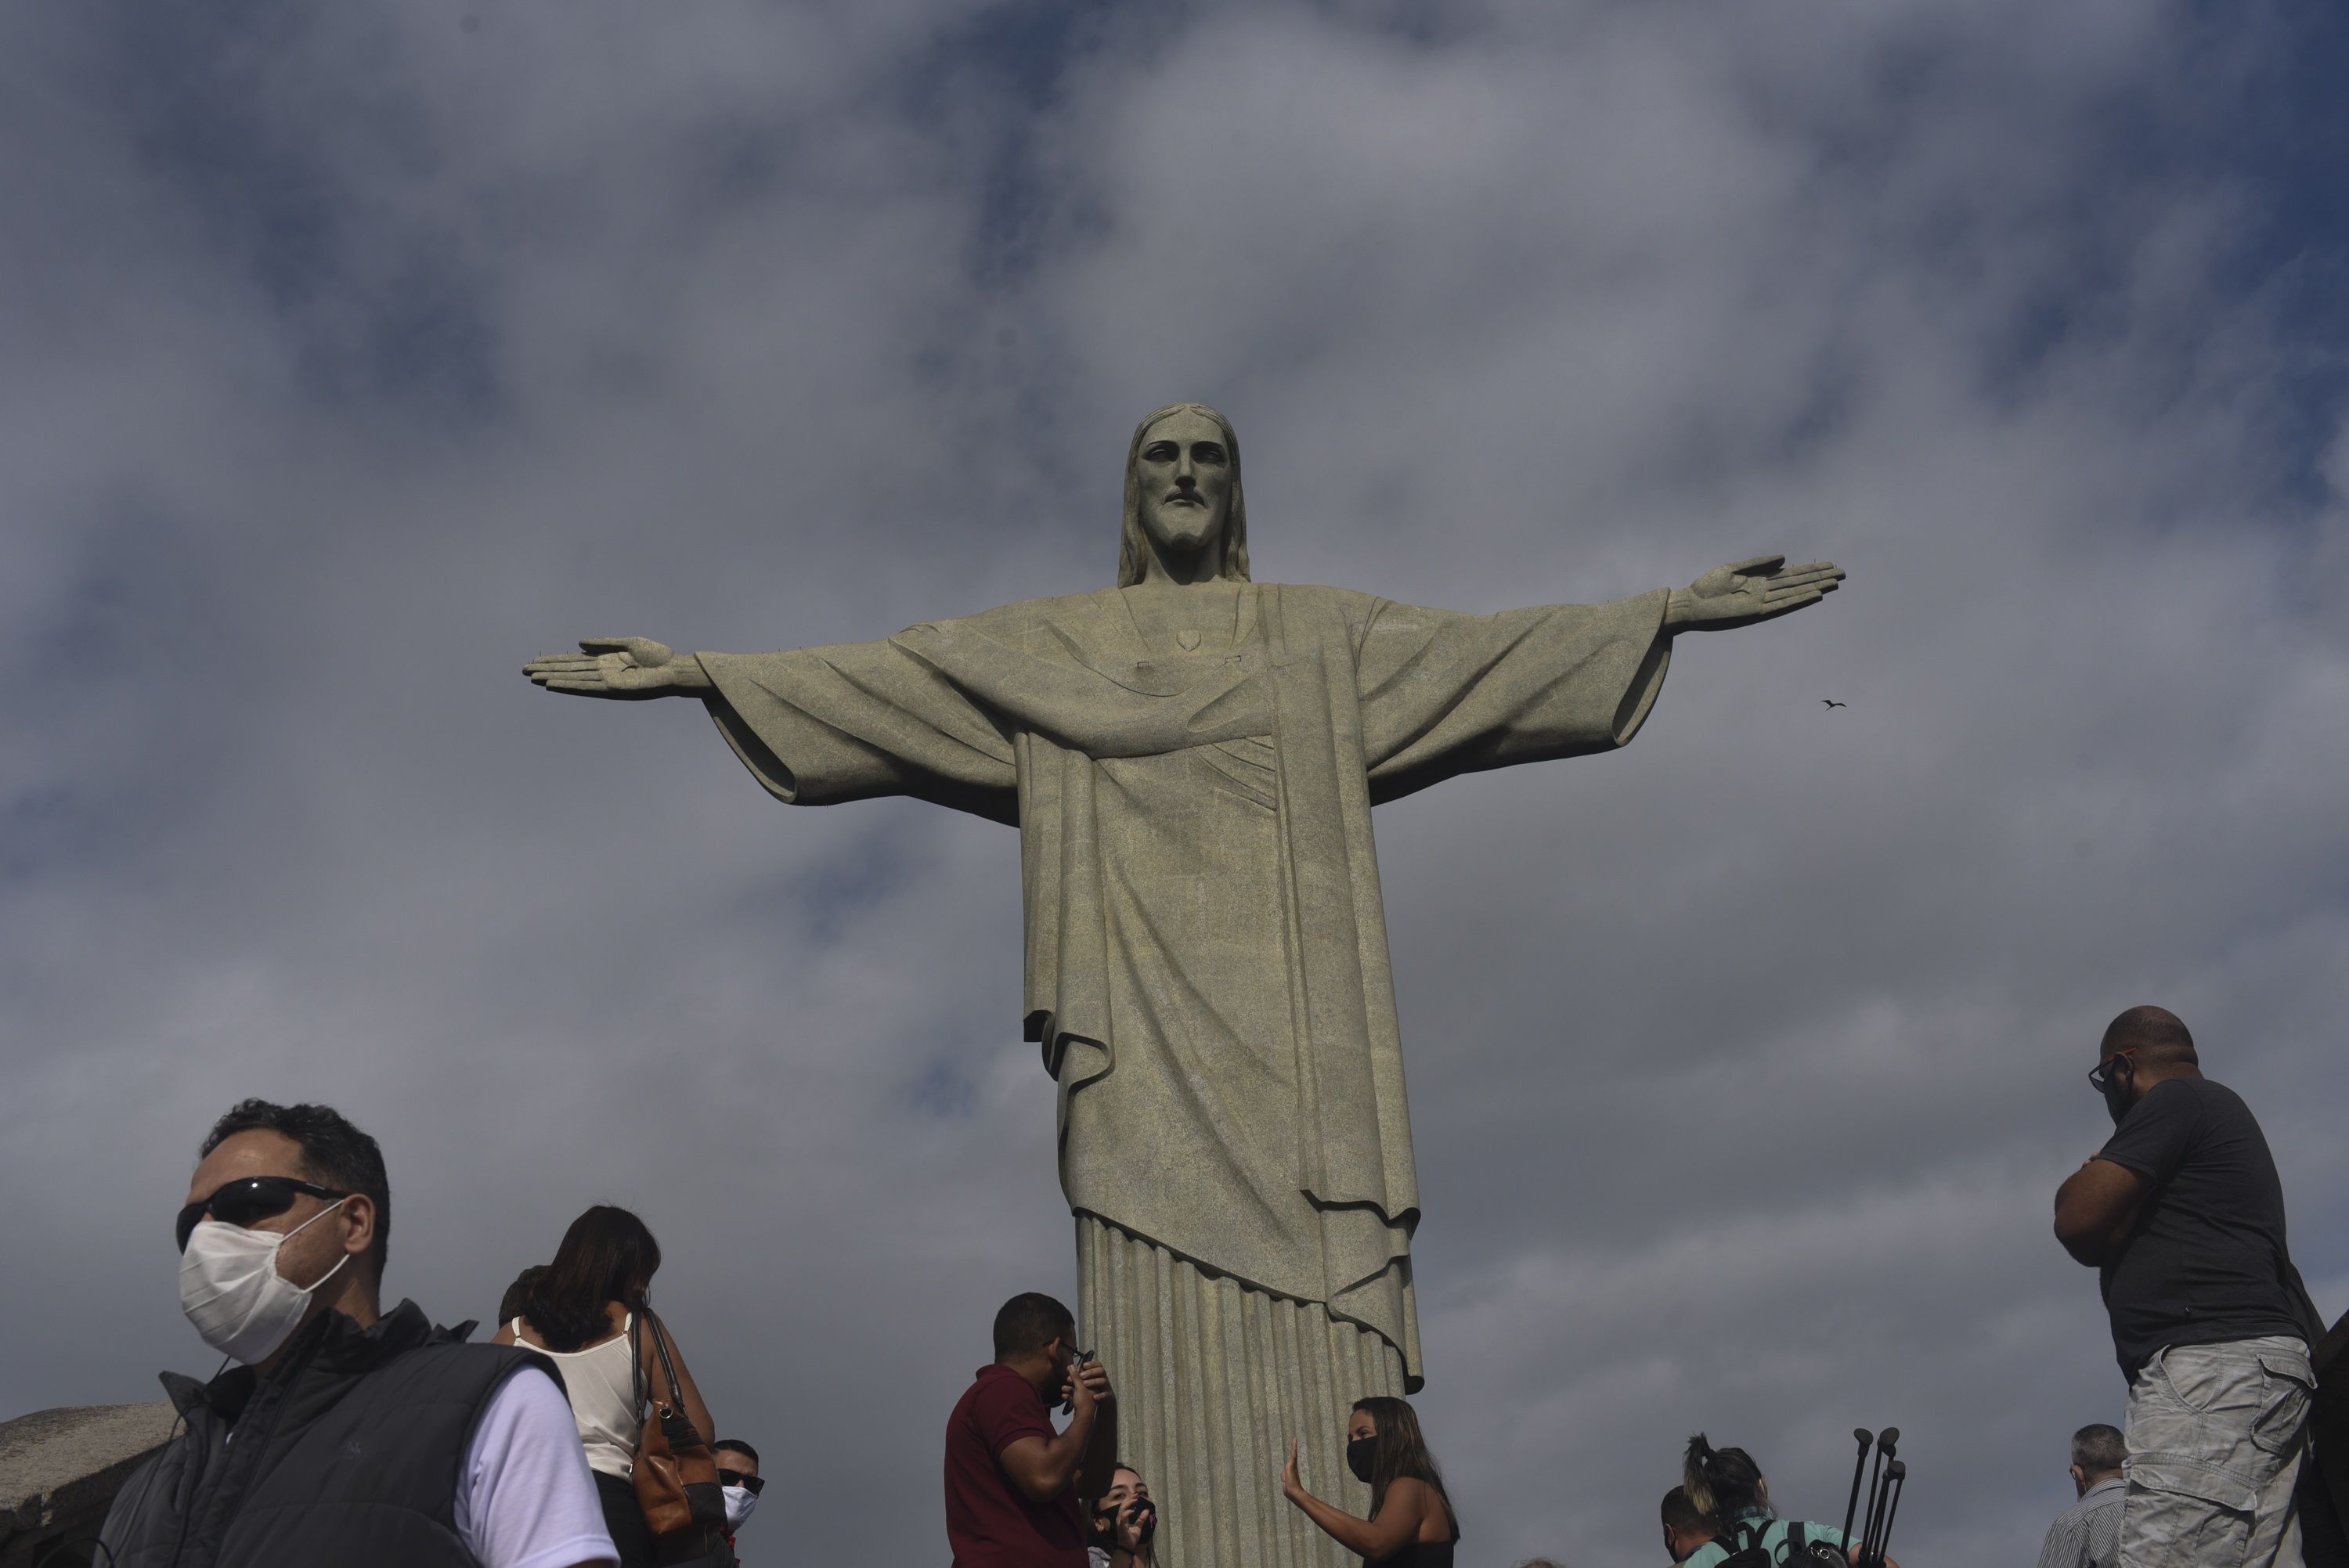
(2180, 1211)
(347, 1435)
(577, 1437)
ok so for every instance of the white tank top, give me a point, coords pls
(601, 1382)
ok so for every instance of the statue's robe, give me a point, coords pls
(1207, 955)
(1206, 961)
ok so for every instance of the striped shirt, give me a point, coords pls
(2088, 1534)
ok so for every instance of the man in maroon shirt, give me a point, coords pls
(1011, 1481)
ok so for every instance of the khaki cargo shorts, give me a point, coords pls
(2216, 1435)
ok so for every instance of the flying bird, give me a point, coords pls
(1832, 703)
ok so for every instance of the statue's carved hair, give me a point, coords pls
(1134, 546)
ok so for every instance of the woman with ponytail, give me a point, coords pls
(1411, 1524)
(1727, 1485)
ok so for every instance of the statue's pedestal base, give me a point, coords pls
(1214, 1380)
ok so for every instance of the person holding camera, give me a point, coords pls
(1122, 1521)
(1011, 1481)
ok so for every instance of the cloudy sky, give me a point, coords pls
(352, 355)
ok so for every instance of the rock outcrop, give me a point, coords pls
(59, 1470)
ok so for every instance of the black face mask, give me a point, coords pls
(1145, 1526)
(1359, 1455)
(2117, 1101)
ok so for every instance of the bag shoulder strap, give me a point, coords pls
(639, 1384)
(668, 1368)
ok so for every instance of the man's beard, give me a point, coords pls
(1185, 530)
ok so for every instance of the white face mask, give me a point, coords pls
(231, 1289)
(739, 1501)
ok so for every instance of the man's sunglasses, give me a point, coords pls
(753, 1485)
(250, 1199)
(2101, 1075)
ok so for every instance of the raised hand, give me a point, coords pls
(1292, 1485)
(628, 669)
(1744, 591)
(1126, 1530)
(1088, 1386)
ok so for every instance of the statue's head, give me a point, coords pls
(1182, 492)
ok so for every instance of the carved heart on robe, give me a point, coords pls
(1190, 641)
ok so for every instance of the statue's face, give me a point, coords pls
(1184, 474)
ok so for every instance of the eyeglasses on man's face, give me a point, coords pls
(753, 1485)
(246, 1201)
(2101, 1076)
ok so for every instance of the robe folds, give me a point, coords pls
(1206, 948)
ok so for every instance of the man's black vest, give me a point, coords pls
(346, 1455)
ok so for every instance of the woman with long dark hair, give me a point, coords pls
(1727, 1486)
(1412, 1524)
(582, 1311)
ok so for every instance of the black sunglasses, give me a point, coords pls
(246, 1199)
(2101, 1075)
(753, 1485)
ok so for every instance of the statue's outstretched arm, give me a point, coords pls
(1744, 591)
(628, 669)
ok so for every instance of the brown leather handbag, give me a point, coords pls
(675, 1474)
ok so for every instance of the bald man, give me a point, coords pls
(2182, 1215)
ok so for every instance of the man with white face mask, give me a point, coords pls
(738, 1475)
(347, 1435)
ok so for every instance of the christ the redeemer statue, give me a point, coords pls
(1191, 758)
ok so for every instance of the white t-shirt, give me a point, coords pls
(525, 1497)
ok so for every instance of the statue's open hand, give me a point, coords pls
(627, 668)
(1744, 591)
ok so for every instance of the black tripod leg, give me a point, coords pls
(1858, 1468)
(1896, 1481)
(1887, 1445)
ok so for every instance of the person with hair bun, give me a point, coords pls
(1412, 1524)
(1726, 1486)
(581, 1311)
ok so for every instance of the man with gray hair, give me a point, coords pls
(2088, 1534)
